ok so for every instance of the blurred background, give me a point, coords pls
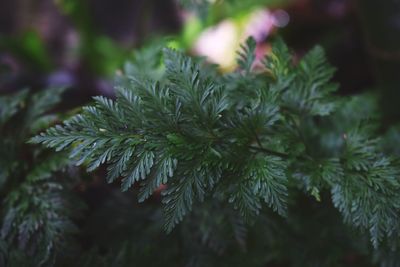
(81, 44)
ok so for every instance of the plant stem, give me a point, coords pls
(270, 152)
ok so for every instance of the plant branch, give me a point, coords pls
(271, 152)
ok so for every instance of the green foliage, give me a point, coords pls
(246, 142)
(37, 222)
(37, 208)
(247, 55)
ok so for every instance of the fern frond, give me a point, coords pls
(247, 55)
(311, 90)
(245, 137)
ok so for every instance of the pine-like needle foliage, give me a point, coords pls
(246, 137)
